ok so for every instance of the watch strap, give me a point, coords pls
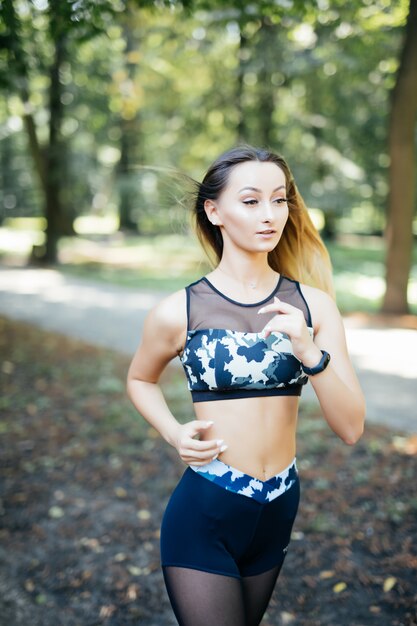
(320, 367)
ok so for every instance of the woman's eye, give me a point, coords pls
(250, 202)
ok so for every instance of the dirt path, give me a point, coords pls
(111, 316)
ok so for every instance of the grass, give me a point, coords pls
(163, 262)
(359, 270)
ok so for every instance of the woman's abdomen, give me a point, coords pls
(259, 432)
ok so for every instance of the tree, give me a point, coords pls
(62, 23)
(307, 80)
(129, 124)
(402, 170)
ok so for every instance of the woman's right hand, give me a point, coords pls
(194, 451)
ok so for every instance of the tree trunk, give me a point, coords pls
(402, 172)
(268, 50)
(128, 142)
(6, 175)
(241, 130)
(19, 64)
(53, 201)
(34, 146)
(127, 194)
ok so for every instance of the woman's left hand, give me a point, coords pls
(290, 320)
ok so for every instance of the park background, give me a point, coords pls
(105, 109)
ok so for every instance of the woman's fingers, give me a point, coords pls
(290, 320)
(193, 450)
(193, 457)
(279, 324)
(278, 306)
(285, 317)
(197, 426)
(210, 444)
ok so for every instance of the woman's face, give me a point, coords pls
(252, 210)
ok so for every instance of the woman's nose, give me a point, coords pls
(267, 212)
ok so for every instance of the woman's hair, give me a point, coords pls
(300, 253)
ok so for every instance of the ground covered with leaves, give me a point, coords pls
(85, 481)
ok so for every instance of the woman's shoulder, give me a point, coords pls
(321, 304)
(315, 294)
(169, 315)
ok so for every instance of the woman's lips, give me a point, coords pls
(267, 232)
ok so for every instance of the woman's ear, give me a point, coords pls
(211, 212)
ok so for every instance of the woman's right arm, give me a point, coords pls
(163, 338)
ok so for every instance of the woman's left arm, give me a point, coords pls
(337, 387)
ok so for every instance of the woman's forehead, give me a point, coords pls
(257, 174)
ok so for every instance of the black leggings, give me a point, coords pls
(222, 551)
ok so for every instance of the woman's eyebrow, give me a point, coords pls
(259, 190)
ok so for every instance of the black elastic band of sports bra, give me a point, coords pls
(207, 396)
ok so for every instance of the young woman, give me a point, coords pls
(249, 335)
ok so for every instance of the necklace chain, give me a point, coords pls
(253, 284)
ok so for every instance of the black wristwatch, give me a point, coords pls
(320, 367)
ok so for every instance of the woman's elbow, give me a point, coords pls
(131, 385)
(351, 436)
(129, 388)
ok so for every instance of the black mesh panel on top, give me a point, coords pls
(208, 308)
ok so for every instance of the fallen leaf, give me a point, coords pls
(389, 583)
(144, 514)
(339, 587)
(406, 445)
(56, 512)
(132, 592)
(138, 571)
(41, 599)
(107, 611)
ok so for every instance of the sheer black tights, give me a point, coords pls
(204, 599)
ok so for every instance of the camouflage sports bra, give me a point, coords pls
(225, 355)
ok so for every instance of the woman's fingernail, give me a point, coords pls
(219, 442)
(210, 423)
(215, 457)
(260, 311)
(223, 448)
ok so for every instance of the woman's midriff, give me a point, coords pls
(259, 433)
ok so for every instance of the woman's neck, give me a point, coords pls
(252, 273)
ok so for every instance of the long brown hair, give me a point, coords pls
(300, 253)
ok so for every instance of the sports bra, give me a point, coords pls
(225, 354)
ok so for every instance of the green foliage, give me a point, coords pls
(166, 74)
